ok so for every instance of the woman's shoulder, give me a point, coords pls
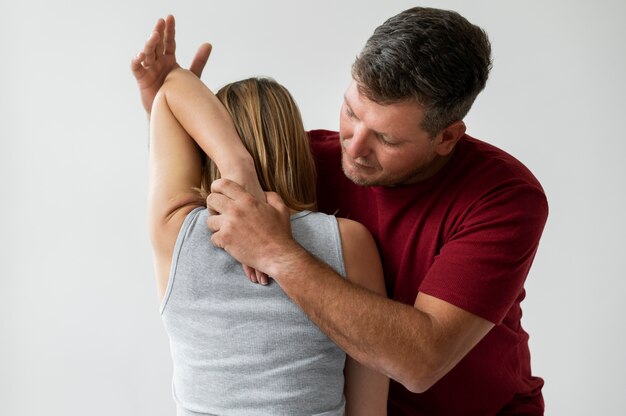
(354, 231)
(360, 254)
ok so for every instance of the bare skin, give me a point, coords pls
(150, 67)
(381, 145)
(415, 345)
(185, 114)
(158, 57)
(175, 169)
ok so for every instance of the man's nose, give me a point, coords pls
(358, 145)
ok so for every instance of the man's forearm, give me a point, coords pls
(390, 337)
(415, 345)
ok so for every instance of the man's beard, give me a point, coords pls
(408, 178)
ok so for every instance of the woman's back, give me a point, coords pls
(245, 349)
(239, 348)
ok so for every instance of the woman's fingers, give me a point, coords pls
(200, 59)
(136, 67)
(160, 29)
(169, 36)
(149, 49)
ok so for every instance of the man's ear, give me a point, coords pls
(447, 138)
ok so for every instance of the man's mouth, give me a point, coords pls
(360, 164)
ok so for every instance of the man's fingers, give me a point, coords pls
(251, 273)
(217, 203)
(213, 223)
(201, 58)
(229, 189)
(247, 270)
(262, 278)
(169, 40)
(255, 276)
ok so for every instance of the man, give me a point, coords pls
(457, 223)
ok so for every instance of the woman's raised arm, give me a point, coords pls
(206, 120)
(187, 119)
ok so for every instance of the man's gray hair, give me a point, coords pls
(433, 57)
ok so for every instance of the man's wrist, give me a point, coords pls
(291, 264)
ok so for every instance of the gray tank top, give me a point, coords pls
(240, 348)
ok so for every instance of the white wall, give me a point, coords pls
(79, 327)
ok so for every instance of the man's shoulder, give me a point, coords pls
(494, 164)
(490, 178)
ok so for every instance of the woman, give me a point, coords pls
(238, 348)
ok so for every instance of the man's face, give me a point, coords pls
(384, 145)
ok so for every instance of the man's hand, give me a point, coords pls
(158, 58)
(255, 233)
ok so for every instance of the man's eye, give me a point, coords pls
(384, 141)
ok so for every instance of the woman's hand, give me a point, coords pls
(158, 57)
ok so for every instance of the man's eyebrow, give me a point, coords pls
(392, 138)
(345, 100)
(349, 107)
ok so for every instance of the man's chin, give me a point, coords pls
(356, 177)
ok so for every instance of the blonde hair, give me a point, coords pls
(269, 124)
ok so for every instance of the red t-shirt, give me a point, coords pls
(468, 236)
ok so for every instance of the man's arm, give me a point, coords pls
(415, 345)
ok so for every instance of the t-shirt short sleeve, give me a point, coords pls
(482, 267)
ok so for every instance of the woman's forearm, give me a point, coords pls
(206, 120)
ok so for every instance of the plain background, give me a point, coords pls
(80, 331)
